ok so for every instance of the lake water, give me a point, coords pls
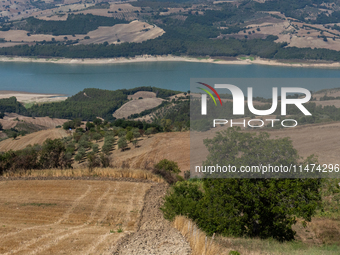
(69, 79)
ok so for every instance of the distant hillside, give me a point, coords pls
(277, 29)
(86, 105)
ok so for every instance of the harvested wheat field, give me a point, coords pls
(39, 137)
(12, 119)
(67, 216)
(136, 106)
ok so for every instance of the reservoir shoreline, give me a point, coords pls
(148, 58)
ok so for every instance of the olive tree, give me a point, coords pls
(265, 207)
(253, 207)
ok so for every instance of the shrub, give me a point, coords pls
(182, 199)
(53, 154)
(168, 165)
(167, 176)
(122, 144)
(81, 153)
(104, 160)
(97, 136)
(93, 161)
(95, 148)
(265, 208)
(129, 136)
(122, 133)
(89, 125)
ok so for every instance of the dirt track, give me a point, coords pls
(155, 235)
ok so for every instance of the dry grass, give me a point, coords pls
(200, 244)
(67, 216)
(96, 172)
(203, 245)
(39, 137)
(136, 106)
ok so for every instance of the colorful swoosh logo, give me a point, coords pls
(208, 92)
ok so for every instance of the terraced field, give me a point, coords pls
(67, 217)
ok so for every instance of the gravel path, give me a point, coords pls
(155, 234)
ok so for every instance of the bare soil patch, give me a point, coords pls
(154, 235)
(67, 217)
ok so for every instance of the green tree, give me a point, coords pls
(80, 155)
(166, 124)
(122, 143)
(89, 125)
(97, 136)
(265, 207)
(104, 160)
(92, 161)
(122, 133)
(95, 148)
(97, 121)
(129, 136)
(53, 154)
(136, 133)
(168, 165)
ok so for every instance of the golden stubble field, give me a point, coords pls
(67, 217)
(39, 137)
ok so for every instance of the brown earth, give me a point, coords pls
(154, 235)
(136, 106)
(327, 92)
(135, 31)
(319, 139)
(172, 146)
(67, 217)
(39, 137)
(12, 119)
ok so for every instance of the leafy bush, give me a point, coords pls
(95, 148)
(129, 136)
(93, 161)
(263, 208)
(168, 165)
(122, 144)
(104, 160)
(182, 200)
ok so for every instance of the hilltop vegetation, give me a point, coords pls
(74, 24)
(200, 32)
(86, 105)
(81, 146)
